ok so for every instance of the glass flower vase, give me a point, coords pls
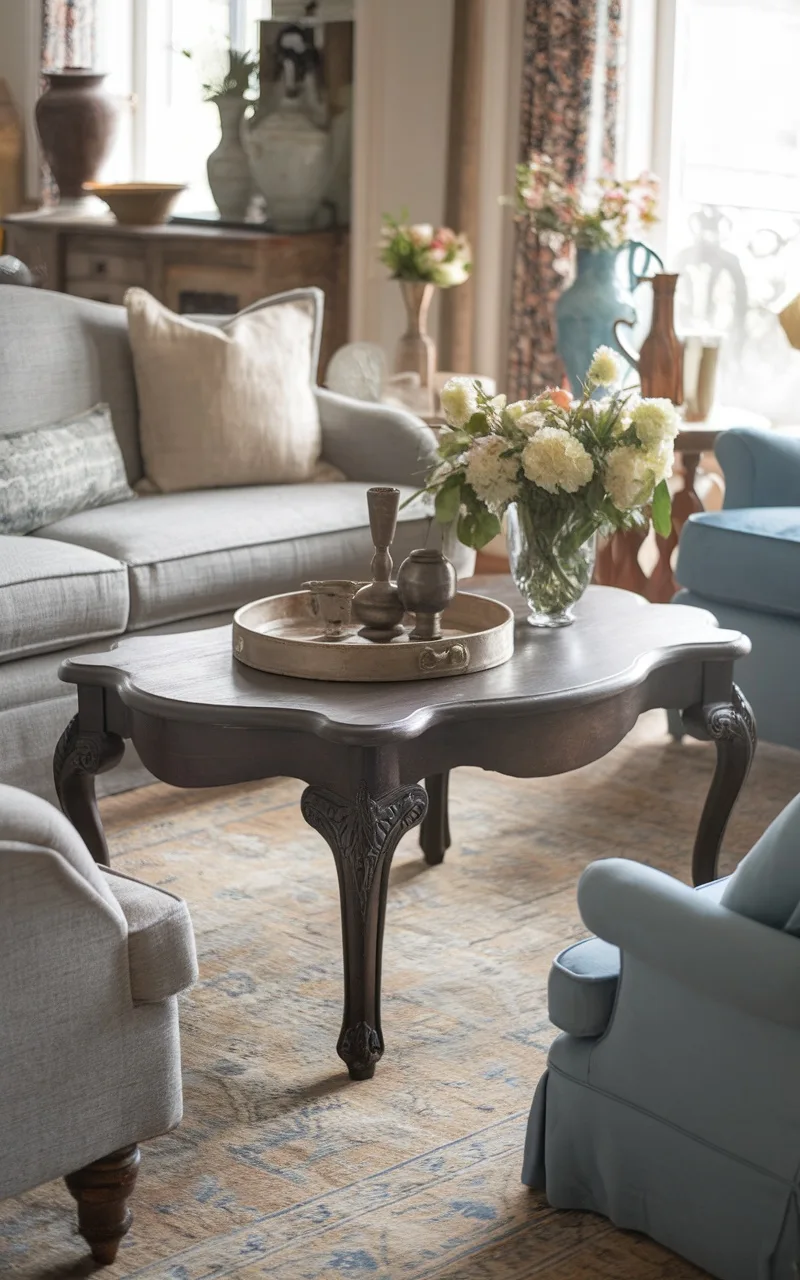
(551, 564)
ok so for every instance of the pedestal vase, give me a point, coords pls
(416, 350)
(228, 169)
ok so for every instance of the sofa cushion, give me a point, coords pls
(766, 884)
(582, 987)
(59, 355)
(748, 556)
(53, 595)
(47, 473)
(229, 404)
(195, 553)
(161, 950)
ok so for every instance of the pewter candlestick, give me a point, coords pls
(378, 605)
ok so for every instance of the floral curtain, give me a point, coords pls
(68, 33)
(563, 42)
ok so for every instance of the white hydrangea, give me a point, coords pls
(459, 400)
(630, 476)
(555, 460)
(604, 371)
(494, 479)
(531, 421)
(655, 421)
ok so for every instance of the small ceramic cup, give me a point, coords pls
(331, 602)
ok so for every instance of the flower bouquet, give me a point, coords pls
(423, 254)
(604, 215)
(422, 258)
(560, 470)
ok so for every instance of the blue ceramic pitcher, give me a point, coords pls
(587, 311)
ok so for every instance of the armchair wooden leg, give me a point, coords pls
(102, 1191)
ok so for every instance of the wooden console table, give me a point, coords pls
(188, 268)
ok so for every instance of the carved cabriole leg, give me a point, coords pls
(732, 727)
(434, 834)
(79, 757)
(102, 1191)
(363, 834)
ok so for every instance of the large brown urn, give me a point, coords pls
(77, 121)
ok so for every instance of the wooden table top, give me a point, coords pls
(617, 641)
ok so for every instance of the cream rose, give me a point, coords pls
(495, 479)
(604, 370)
(555, 460)
(532, 421)
(655, 421)
(459, 399)
(447, 274)
(517, 408)
(630, 477)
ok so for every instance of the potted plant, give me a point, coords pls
(601, 221)
(560, 470)
(423, 258)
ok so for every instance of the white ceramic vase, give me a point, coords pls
(288, 157)
(229, 174)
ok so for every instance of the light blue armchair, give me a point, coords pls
(743, 564)
(671, 1103)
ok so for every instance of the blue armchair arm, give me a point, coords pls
(761, 469)
(685, 934)
(374, 442)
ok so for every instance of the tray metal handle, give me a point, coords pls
(455, 656)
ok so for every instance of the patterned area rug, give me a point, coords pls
(282, 1168)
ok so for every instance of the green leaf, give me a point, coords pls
(451, 443)
(662, 510)
(476, 529)
(448, 501)
(477, 424)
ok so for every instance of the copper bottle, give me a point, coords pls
(660, 361)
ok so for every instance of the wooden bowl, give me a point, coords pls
(142, 204)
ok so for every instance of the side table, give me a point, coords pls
(618, 562)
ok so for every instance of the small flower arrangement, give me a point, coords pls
(425, 254)
(565, 469)
(602, 216)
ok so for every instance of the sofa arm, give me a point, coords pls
(161, 951)
(685, 934)
(374, 442)
(761, 469)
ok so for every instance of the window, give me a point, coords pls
(166, 130)
(727, 144)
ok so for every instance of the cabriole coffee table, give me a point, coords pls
(199, 719)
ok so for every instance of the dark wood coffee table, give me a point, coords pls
(199, 719)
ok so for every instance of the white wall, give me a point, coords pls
(400, 149)
(400, 144)
(20, 36)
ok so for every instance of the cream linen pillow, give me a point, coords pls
(224, 406)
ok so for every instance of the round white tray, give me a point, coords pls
(280, 634)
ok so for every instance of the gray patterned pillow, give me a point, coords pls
(52, 472)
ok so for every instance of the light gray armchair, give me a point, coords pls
(671, 1103)
(90, 965)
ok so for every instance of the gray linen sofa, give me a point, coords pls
(161, 562)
